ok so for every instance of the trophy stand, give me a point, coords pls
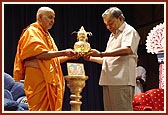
(76, 84)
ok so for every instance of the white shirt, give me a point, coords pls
(121, 70)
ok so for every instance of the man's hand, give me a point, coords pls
(86, 58)
(94, 53)
(70, 52)
(76, 56)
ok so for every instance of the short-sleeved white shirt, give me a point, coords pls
(121, 70)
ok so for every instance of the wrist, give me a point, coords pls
(101, 54)
(62, 53)
(91, 59)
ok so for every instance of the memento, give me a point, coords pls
(82, 45)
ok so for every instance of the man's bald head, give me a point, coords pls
(43, 10)
(45, 17)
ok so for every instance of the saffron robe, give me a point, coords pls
(44, 86)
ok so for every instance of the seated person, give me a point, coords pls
(14, 95)
(140, 79)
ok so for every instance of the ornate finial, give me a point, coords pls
(82, 34)
(82, 29)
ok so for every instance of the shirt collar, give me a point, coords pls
(121, 28)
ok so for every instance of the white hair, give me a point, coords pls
(43, 10)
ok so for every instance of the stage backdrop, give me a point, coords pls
(69, 18)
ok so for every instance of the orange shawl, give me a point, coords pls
(34, 41)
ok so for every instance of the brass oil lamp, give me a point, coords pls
(82, 45)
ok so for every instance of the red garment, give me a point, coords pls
(152, 100)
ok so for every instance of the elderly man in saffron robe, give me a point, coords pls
(38, 61)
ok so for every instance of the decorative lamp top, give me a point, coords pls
(82, 34)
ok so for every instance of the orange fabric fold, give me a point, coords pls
(47, 92)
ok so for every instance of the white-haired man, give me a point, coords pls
(38, 61)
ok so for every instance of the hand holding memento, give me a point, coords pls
(70, 52)
(94, 53)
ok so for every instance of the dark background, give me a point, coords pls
(69, 18)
